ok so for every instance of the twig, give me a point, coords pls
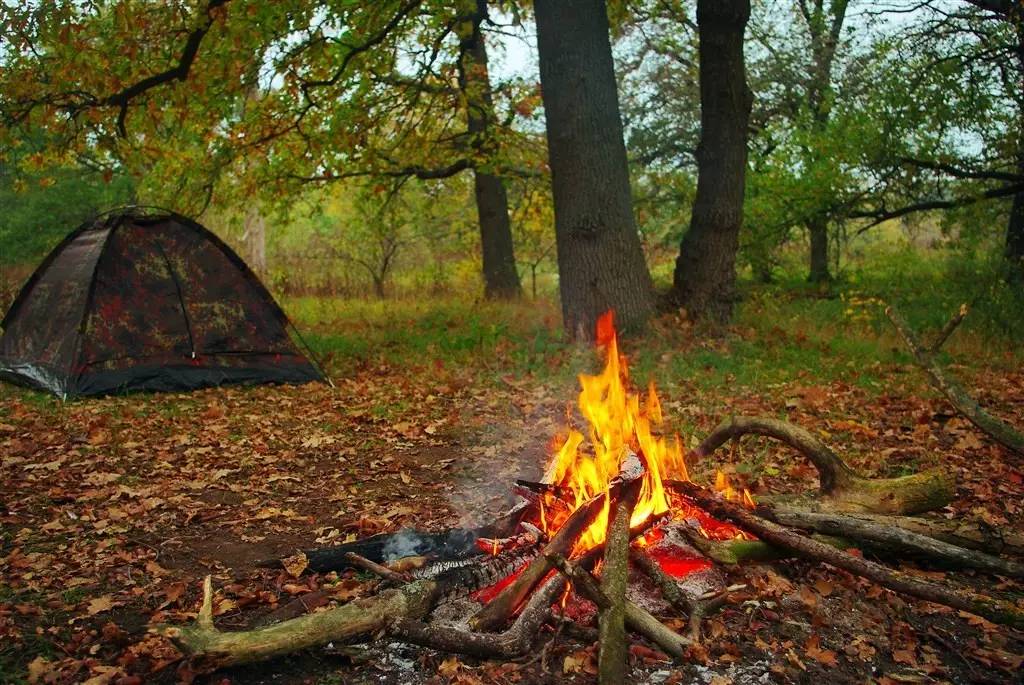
(372, 567)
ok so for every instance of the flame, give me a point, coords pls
(619, 424)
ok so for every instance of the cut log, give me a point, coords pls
(998, 430)
(611, 659)
(638, 619)
(995, 610)
(895, 540)
(842, 488)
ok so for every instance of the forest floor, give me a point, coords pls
(112, 510)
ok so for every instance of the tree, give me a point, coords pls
(353, 89)
(705, 273)
(501, 279)
(600, 263)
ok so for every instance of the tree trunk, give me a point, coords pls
(818, 228)
(600, 262)
(705, 275)
(256, 240)
(501, 279)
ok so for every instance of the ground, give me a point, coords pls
(112, 510)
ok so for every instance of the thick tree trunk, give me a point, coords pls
(818, 229)
(600, 263)
(501, 279)
(705, 273)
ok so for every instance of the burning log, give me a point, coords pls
(499, 609)
(638, 619)
(994, 610)
(842, 488)
(611, 661)
(995, 428)
(514, 642)
(695, 607)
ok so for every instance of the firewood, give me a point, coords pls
(499, 609)
(842, 488)
(637, 619)
(695, 607)
(359, 618)
(611, 661)
(510, 644)
(995, 610)
(998, 430)
(892, 539)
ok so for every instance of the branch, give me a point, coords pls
(179, 72)
(958, 172)
(882, 215)
(997, 429)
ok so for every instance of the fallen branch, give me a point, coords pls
(842, 488)
(357, 618)
(637, 619)
(994, 610)
(995, 428)
(892, 539)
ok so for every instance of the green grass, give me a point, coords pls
(785, 332)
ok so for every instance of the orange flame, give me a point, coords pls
(618, 425)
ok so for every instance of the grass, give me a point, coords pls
(784, 332)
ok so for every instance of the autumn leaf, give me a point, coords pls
(100, 604)
(295, 564)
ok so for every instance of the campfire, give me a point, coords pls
(615, 521)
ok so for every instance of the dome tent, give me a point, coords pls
(139, 300)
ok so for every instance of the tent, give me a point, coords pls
(142, 300)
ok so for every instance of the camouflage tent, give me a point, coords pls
(146, 301)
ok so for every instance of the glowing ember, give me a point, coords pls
(619, 424)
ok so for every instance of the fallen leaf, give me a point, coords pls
(100, 604)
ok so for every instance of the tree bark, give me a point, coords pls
(704, 281)
(818, 230)
(600, 262)
(501, 279)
